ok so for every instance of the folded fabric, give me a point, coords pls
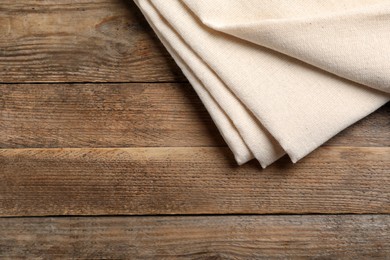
(279, 77)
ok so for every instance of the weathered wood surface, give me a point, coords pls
(80, 149)
(130, 115)
(216, 237)
(79, 41)
(98, 115)
(190, 180)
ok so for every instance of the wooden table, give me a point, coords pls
(106, 152)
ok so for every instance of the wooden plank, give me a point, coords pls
(130, 115)
(98, 115)
(221, 237)
(80, 41)
(370, 131)
(145, 181)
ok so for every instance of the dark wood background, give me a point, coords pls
(107, 153)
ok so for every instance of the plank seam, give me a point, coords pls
(90, 82)
(195, 215)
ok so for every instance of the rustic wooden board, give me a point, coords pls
(37, 182)
(110, 115)
(217, 237)
(373, 130)
(79, 41)
(80, 150)
(130, 115)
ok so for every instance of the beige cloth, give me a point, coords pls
(279, 78)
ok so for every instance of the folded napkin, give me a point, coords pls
(278, 76)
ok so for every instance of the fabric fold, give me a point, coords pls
(264, 102)
(351, 41)
(261, 144)
(238, 147)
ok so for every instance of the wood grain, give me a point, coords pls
(217, 237)
(98, 115)
(80, 41)
(142, 181)
(123, 147)
(130, 115)
(373, 130)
